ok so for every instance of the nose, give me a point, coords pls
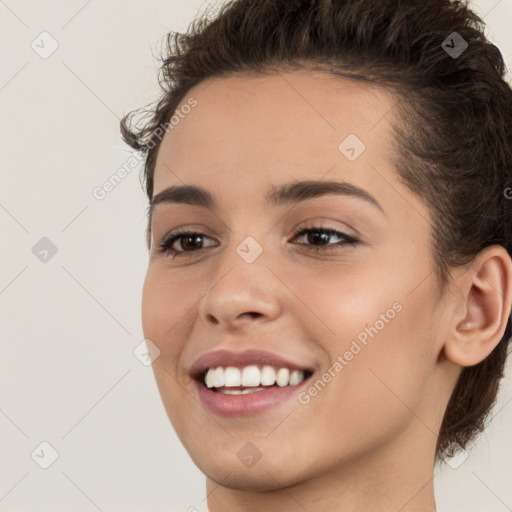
(241, 293)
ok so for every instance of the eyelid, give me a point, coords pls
(320, 222)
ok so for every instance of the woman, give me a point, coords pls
(330, 283)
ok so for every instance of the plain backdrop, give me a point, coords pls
(72, 268)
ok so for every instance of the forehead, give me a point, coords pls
(269, 128)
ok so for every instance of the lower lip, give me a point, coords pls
(248, 404)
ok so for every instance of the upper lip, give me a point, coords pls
(226, 358)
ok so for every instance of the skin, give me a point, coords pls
(367, 440)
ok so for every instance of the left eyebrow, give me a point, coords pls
(278, 195)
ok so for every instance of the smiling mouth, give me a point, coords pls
(243, 380)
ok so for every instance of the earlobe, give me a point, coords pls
(486, 294)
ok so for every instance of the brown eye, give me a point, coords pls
(183, 242)
(314, 236)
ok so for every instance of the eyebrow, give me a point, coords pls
(288, 193)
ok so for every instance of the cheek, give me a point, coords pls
(346, 299)
(167, 307)
(166, 300)
(164, 316)
(369, 396)
(379, 343)
(388, 304)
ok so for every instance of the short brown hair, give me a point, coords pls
(453, 144)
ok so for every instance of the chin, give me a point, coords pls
(274, 470)
(257, 479)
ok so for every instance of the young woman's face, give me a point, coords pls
(361, 316)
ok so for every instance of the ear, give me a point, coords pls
(483, 309)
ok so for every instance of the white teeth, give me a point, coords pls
(268, 376)
(210, 378)
(218, 378)
(251, 377)
(240, 391)
(296, 376)
(232, 377)
(283, 377)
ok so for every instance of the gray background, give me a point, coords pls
(70, 323)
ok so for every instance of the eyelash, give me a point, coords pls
(166, 245)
